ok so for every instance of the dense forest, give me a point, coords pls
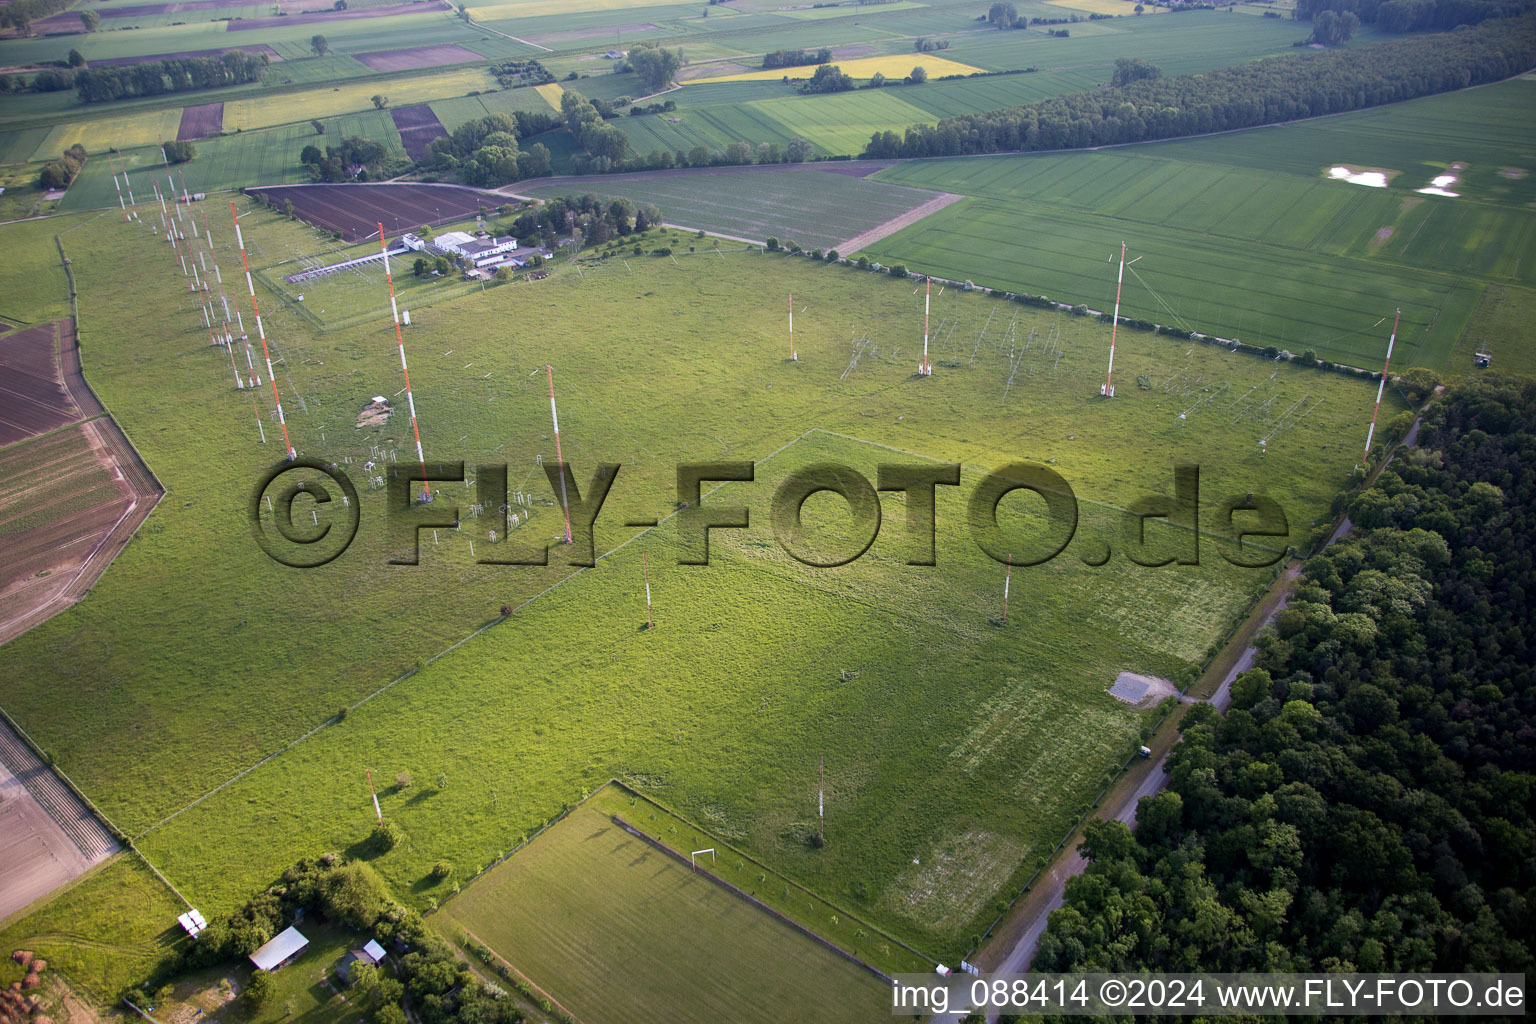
(1257, 93)
(176, 74)
(1414, 15)
(1366, 803)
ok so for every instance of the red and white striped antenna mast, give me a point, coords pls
(645, 571)
(1108, 390)
(410, 399)
(926, 370)
(374, 793)
(793, 355)
(1007, 579)
(821, 801)
(121, 204)
(1382, 387)
(554, 417)
(261, 332)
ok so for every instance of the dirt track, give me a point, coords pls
(895, 224)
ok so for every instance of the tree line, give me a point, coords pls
(586, 217)
(176, 74)
(1256, 93)
(796, 58)
(1366, 804)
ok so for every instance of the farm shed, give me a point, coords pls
(371, 953)
(283, 949)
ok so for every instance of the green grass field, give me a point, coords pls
(968, 747)
(813, 207)
(616, 930)
(1246, 236)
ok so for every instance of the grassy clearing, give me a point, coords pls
(17, 147)
(1499, 324)
(965, 746)
(600, 920)
(896, 66)
(814, 208)
(541, 8)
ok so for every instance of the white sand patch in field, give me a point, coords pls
(1141, 691)
(950, 882)
(1371, 179)
(1441, 184)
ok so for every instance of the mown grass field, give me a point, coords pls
(817, 208)
(1246, 236)
(617, 930)
(968, 747)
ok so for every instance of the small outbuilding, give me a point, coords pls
(371, 953)
(284, 948)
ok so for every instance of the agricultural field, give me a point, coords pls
(267, 157)
(599, 919)
(817, 207)
(1249, 236)
(245, 115)
(897, 66)
(533, 702)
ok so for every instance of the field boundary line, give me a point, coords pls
(752, 900)
(653, 801)
(334, 719)
(526, 980)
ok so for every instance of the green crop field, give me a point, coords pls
(599, 919)
(965, 746)
(816, 208)
(1246, 235)
(266, 157)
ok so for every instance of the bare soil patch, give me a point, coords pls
(357, 210)
(1141, 691)
(201, 121)
(419, 57)
(418, 126)
(69, 501)
(33, 399)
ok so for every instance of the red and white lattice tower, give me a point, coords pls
(1108, 390)
(261, 332)
(410, 400)
(926, 370)
(554, 417)
(1382, 387)
(793, 355)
